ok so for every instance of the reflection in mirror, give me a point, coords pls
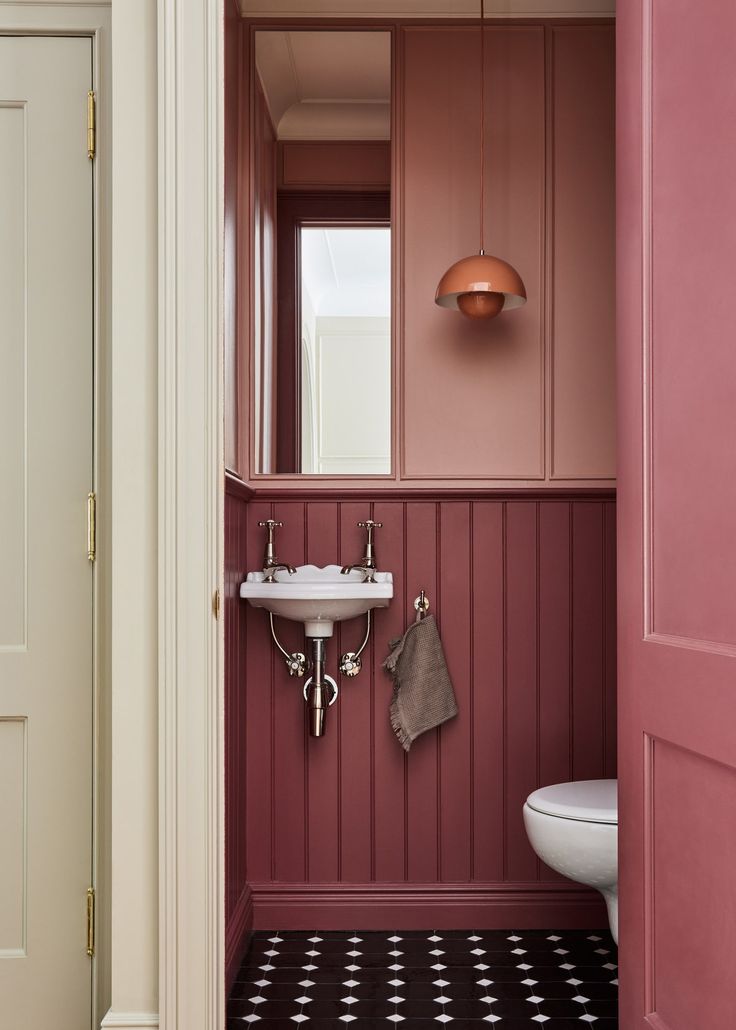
(346, 350)
(322, 252)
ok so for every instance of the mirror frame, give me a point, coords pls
(246, 306)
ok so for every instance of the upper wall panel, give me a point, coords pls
(528, 398)
(531, 394)
(473, 393)
(582, 274)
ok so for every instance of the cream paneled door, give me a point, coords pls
(46, 581)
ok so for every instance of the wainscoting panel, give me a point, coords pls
(523, 591)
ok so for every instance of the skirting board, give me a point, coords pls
(130, 1021)
(426, 906)
(237, 934)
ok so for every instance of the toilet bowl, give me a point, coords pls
(573, 827)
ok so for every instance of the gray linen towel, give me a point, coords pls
(423, 696)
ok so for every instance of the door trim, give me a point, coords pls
(191, 501)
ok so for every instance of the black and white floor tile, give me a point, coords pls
(420, 979)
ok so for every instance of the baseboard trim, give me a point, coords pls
(237, 934)
(426, 906)
(130, 1021)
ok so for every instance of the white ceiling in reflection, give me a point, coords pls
(347, 272)
(326, 85)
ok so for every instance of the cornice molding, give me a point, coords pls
(426, 9)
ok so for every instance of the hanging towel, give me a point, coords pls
(423, 696)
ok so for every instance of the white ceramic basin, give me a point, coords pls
(318, 597)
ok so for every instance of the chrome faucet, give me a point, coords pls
(271, 564)
(367, 564)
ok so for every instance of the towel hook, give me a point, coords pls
(421, 604)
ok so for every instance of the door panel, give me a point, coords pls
(46, 419)
(677, 497)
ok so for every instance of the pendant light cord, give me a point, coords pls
(482, 120)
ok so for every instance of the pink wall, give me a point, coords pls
(238, 906)
(347, 831)
(524, 593)
(537, 385)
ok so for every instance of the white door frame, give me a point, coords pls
(191, 488)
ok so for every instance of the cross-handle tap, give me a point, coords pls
(367, 563)
(271, 564)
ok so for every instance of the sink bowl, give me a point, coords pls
(318, 597)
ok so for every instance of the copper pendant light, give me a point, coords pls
(481, 286)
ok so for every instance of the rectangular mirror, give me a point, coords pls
(321, 219)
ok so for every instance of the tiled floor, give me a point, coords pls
(416, 979)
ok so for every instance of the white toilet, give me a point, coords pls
(573, 827)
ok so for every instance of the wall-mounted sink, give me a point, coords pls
(318, 597)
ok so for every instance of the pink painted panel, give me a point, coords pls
(582, 276)
(485, 379)
(676, 550)
(255, 686)
(686, 791)
(351, 808)
(521, 705)
(335, 165)
(609, 639)
(354, 712)
(323, 771)
(389, 763)
(285, 726)
(456, 751)
(423, 773)
(694, 224)
(588, 612)
(486, 598)
(555, 664)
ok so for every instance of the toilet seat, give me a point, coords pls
(589, 801)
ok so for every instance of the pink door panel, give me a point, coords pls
(676, 239)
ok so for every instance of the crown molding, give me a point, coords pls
(426, 9)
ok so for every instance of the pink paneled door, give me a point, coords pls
(677, 509)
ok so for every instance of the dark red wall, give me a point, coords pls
(347, 830)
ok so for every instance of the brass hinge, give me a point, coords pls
(90, 921)
(91, 526)
(91, 125)
(216, 604)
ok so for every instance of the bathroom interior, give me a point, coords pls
(442, 468)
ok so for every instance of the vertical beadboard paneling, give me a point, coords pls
(524, 591)
(609, 642)
(554, 649)
(323, 844)
(455, 743)
(554, 642)
(587, 635)
(256, 682)
(288, 774)
(389, 764)
(486, 590)
(522, 713)
(353, 716)
(423, 772)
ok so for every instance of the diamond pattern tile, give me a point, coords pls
(566, 979)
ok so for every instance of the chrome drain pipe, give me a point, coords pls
(320, 690)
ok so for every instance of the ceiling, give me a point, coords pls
(326, 85)
(347, 272)
(388, 9)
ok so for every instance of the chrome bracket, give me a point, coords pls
(350, 663)
(325, 679)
